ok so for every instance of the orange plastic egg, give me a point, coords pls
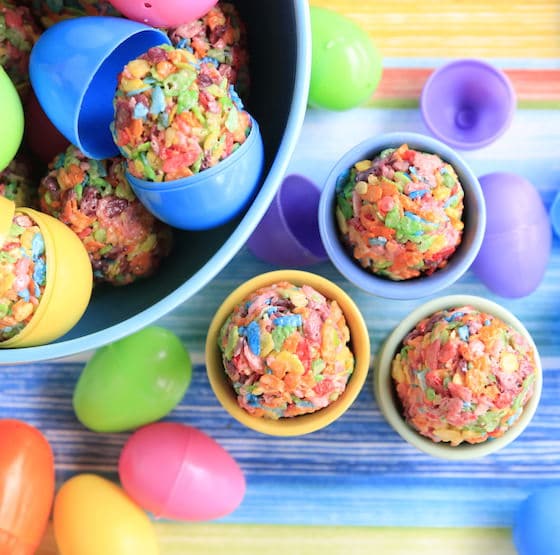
(26, 487)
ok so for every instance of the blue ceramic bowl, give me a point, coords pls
(209, 198)
(280, 53)
(73, 70)
(474, 217)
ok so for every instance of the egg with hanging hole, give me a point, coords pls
(26, 487)
(93, 516)
(178, 472)
(163, 13)
(516, 247)
(345, 63)
(535, 528)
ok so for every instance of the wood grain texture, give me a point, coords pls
(457, 28)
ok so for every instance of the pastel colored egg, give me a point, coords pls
(133, 381)
(94, 516)
(516, 247)
(345, 64)
(11, 116)
(26, 487)
(178, 472)
(164, 13)
(535, 529)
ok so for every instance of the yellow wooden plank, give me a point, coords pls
(217, 539)
(457, 28)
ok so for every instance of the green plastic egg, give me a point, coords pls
(345, 64)
(132, 382)
(11, 119)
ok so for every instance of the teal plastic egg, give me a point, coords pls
(132, 382)
(346, 66)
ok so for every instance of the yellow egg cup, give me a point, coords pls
(69, 279)
(307, 423)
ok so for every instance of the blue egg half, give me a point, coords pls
(536, 530)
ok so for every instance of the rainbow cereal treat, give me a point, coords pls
(175, 115)
(49, 12)
(16, 182)
(464, 376)
(18, 34)
(285, 350)
(124, 241)
(23, 271)
(400, 213)
(219, 36)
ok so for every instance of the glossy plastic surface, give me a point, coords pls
(11, 116)
(134, 381)
(209, 198)
(288, 235)
(75, 79)
(68, 284)
(26, 487)
(474, 218)
(468, 103)
(93, 516)
(346, 65)
(517, 244)
(178, 472)
(163, 13)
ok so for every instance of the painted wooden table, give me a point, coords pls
(356, 487)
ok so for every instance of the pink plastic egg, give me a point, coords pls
(164, 13)
(178, 472)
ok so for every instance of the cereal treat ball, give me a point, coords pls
(220, 36)
(464, 376)
(400, 213)
(175, 115)
(16, 182)
(285, 350)
(49, 12)
(23, 272)
(18, 34)
(124, 241)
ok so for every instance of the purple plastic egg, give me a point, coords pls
(516, 246)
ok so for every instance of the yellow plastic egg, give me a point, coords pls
(68, 283)
(93, 516)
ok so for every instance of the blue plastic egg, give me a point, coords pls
(536, 530)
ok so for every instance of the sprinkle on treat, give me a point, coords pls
(175, 115)
(124, 241)
(285, 350)
(23, 273)
(220, 37)
(400, 213)
(18, 34)
(464, 376)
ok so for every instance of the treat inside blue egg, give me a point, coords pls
(536, 530)
(516, 246)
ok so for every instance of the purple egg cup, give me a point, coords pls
(288, 235)
(468, 103)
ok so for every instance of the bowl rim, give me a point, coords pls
(231, 246)
(383, 386)
(419, 287)
(199, 179)
(307, 423)
(454, 65)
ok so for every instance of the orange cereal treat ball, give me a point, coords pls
(286, 351)
(400, 214)
(464, 376)
(124, 241)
